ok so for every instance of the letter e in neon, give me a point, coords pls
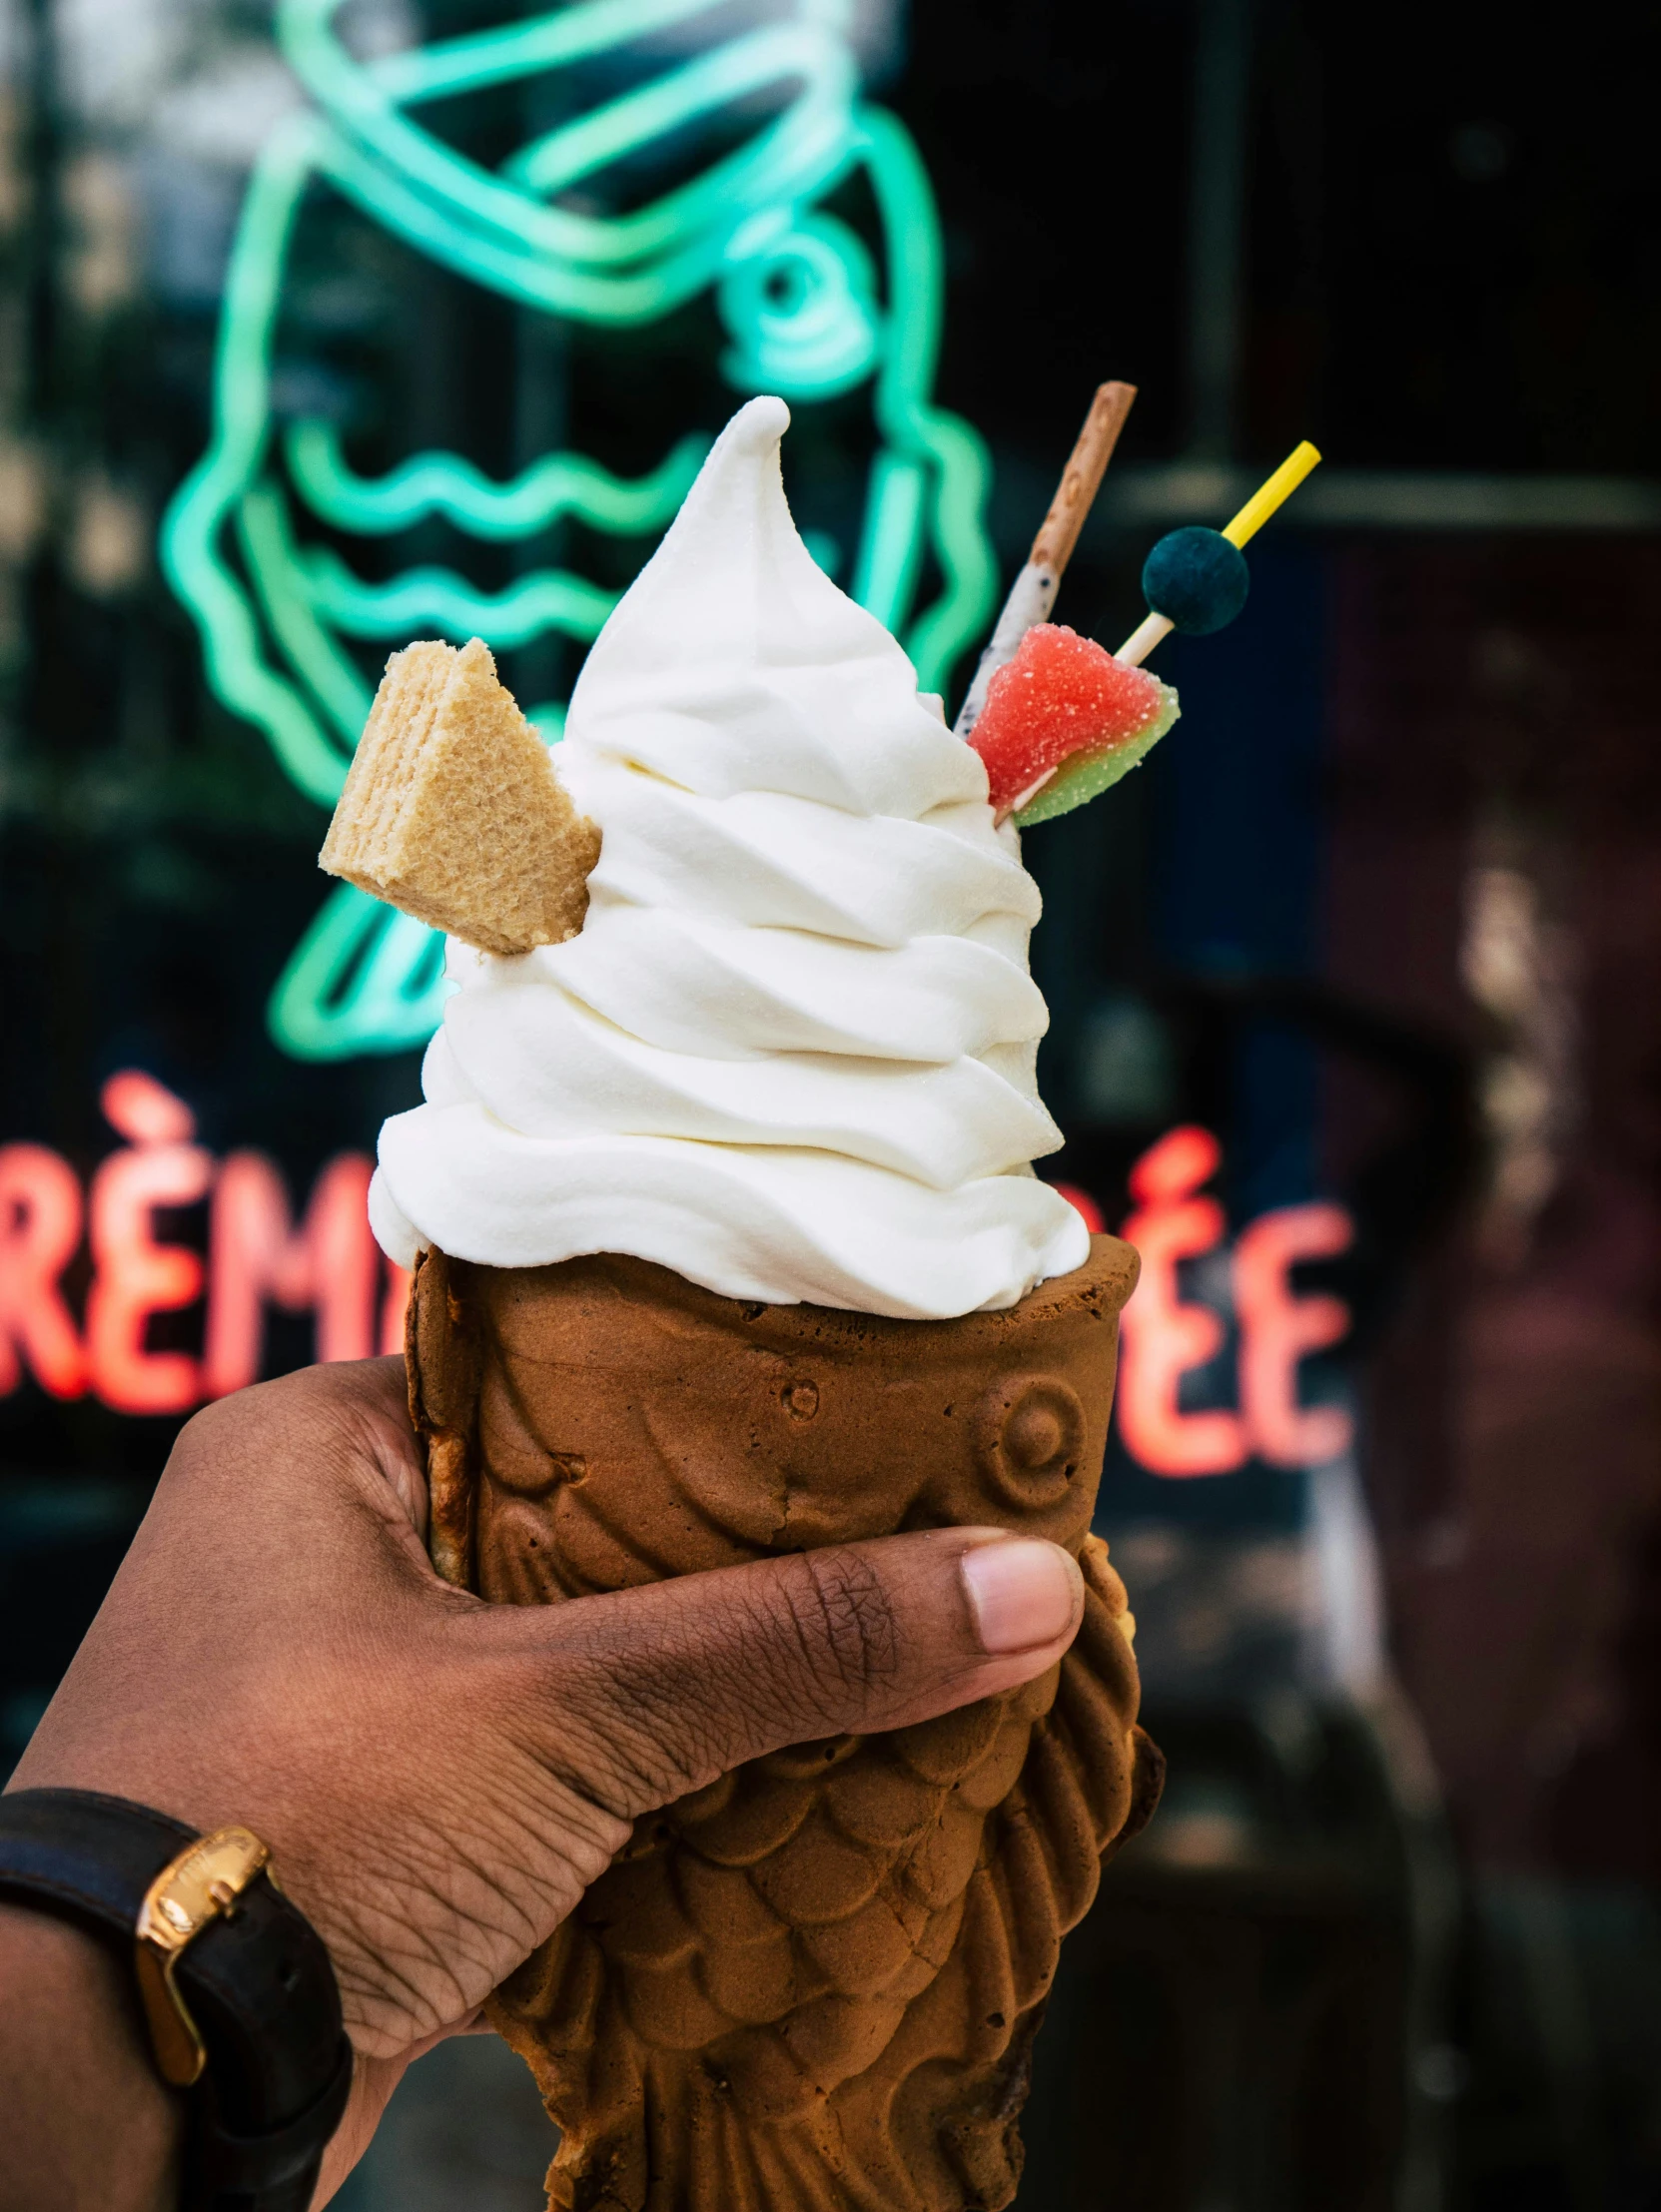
(1277, 1330)
(1162, 1338)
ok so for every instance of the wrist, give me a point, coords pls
(88, 2120)
(239, 2002)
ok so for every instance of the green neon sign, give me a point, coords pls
(290, 630)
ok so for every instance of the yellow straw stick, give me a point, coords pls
(1274, 493)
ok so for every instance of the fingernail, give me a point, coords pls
(1021, 1594)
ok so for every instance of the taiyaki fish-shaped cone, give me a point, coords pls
(813, 1986)
(453, 811)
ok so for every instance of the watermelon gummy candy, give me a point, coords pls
(1065, 710)
(1064, 716)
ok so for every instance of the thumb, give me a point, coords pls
(654, 1692)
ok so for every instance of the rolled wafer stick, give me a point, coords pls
(1033, 593)
(1081, 478)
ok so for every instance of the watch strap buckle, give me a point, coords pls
(203, 1882)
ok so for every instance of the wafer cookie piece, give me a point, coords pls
(454, 812)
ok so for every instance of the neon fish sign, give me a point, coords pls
(251, 545)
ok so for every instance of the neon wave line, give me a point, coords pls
(563, 485)
(547, 600)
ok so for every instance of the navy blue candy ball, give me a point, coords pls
(1195, 579)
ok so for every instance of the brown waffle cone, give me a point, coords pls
(812, 1987)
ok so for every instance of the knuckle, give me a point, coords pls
(844, 1620)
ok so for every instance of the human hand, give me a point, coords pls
(440, 1779)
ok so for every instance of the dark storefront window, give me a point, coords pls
(309, 345)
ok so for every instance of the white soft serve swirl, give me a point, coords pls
(791, 1053)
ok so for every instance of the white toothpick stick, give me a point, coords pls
(1152, 631)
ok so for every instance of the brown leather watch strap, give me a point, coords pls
(255, 1983)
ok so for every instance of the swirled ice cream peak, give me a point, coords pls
(790, 1054)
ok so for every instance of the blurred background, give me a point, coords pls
(324, 326)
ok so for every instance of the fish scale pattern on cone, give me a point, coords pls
(814, 1983)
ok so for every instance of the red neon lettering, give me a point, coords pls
(40, 1227)
(400, 1283)
(331, 1264)
(1277, 1330)
(1162, 1338)
(145, 1113)
(135, 1276)
(1083, 1204)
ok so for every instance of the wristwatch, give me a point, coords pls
(238, 1992)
